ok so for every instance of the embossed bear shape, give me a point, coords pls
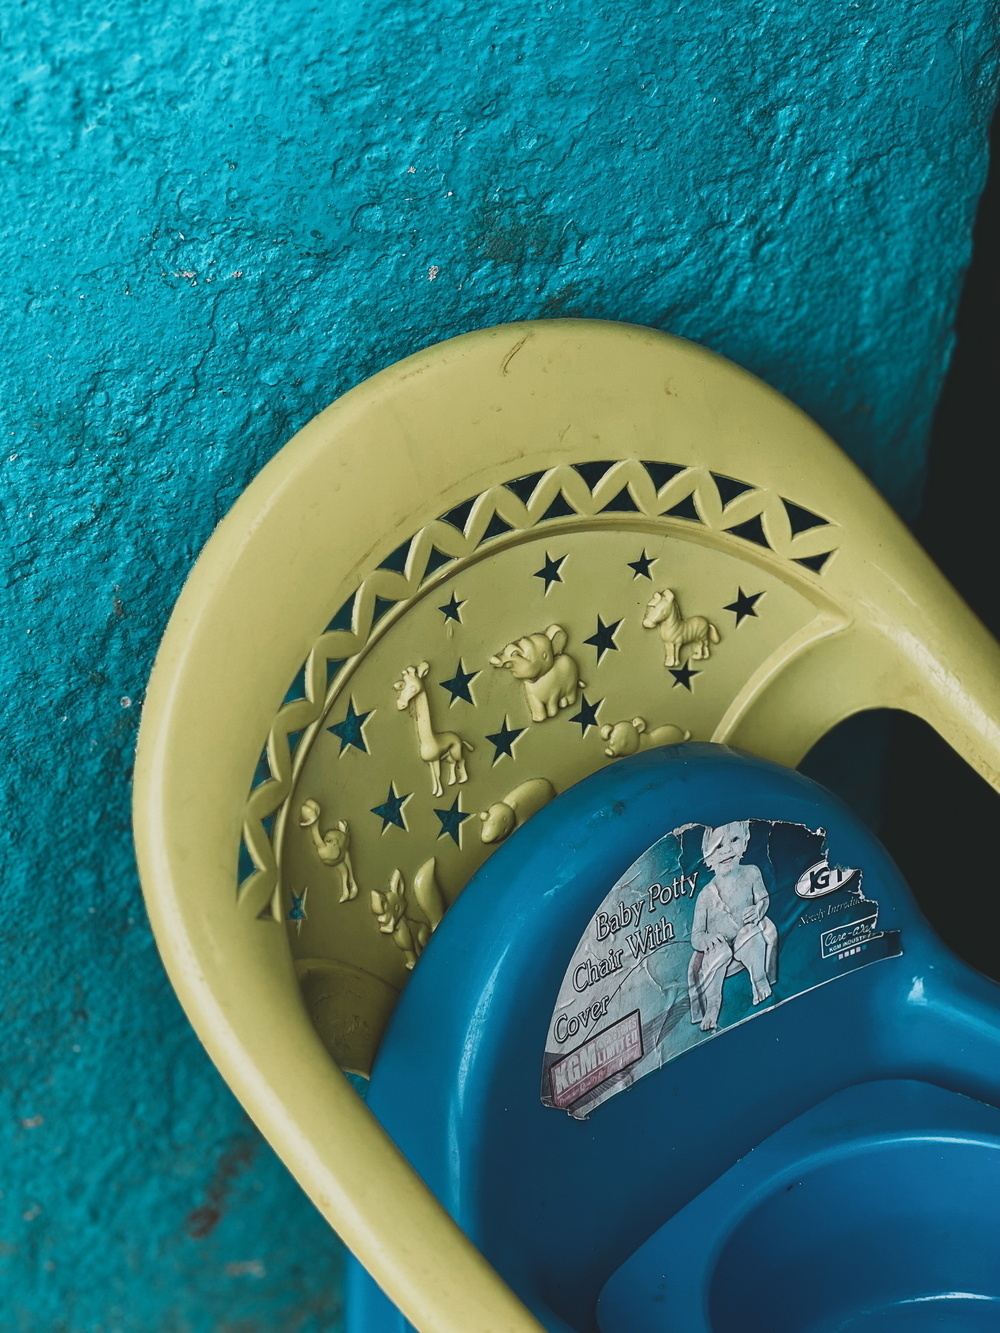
(625, 738)
(550, 677)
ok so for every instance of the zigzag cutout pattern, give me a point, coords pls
(754, 515)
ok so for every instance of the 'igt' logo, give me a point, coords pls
(822, 878)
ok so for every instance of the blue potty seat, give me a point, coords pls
(685, 1057)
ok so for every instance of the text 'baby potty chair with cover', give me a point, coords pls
(467, 764)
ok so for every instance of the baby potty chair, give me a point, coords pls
(803, 1158)
(467, 765)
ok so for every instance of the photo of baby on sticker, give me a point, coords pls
(709, 928)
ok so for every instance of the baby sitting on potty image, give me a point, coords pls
(731, 930)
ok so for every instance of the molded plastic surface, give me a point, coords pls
(557, 1205)
(879, 1208)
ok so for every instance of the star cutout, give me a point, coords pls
(351, 730)
(642, 565)
(503, 740)
(452, 821)
(451, 611)
(391, 811)
(587, 716)
(297, 911)
(744, 605)
(550, 571)
(604, 639)
(683, 676)
(458, 686)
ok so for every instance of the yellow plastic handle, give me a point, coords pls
(236, 981)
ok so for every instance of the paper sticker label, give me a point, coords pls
(709, 928)
(596, 1060)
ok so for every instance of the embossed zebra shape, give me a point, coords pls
(436, 747)
(694, 632)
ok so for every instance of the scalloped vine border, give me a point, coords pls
(694, 495)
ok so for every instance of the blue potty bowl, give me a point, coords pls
(685, 1058)
(876, 1210)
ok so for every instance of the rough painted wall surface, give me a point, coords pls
(219, 216)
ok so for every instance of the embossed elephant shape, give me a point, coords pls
(550, 677)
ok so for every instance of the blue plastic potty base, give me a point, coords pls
(879, 1209)
(825, 1161)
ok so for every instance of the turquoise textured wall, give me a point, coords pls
(217, 217)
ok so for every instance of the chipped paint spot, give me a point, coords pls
(917, 994)
(248, 1268)
(234, 1161)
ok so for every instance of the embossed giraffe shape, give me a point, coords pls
(435, 746)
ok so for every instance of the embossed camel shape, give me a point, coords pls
(695, 632)
(332, 848)
(435, 746)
